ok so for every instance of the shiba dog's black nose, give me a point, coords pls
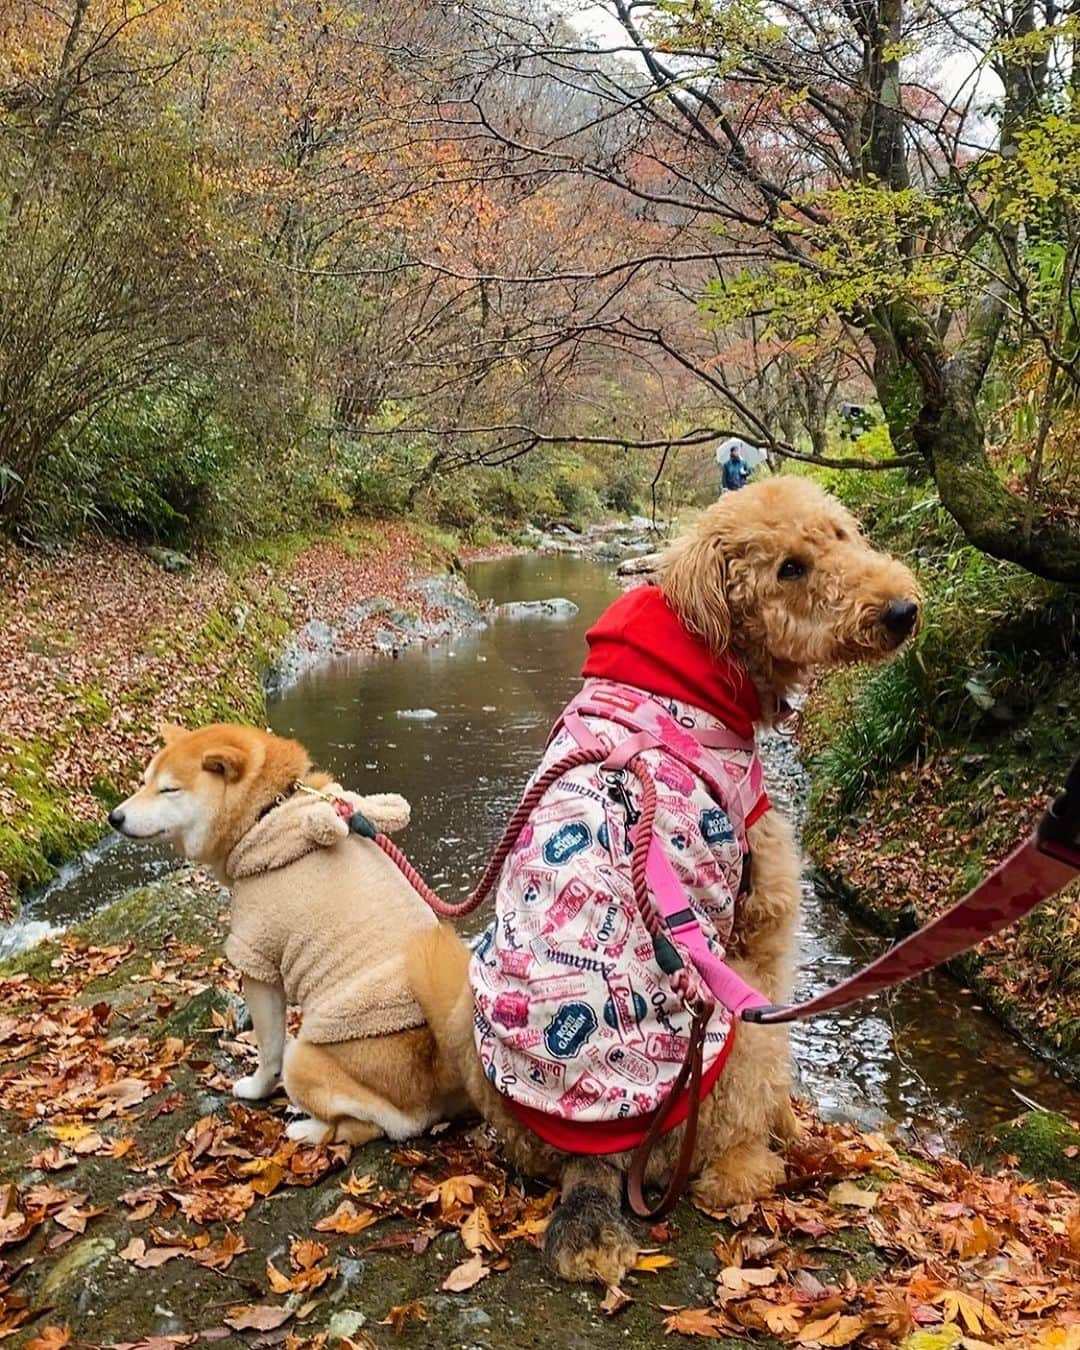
(899, 617)
(116, 818)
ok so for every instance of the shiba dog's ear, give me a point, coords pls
(169, 731)
(228, 760)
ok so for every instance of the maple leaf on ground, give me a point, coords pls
(220, 1255)
(402, 1313)
(51, 1338)
(306, 1253)
(354, 1185)
(53, 1159)
(265, 1175)
(476, 1232)
(738, 1279)
(146, 1258)
(653, 1261)
(837, 1329)
(463, 1277)
(782, 1319)
(256, 1317)
(976, 1315)
(692, 1322)
(347, 1219)
(453, 1191)
(847, 1193)
(75, 1219)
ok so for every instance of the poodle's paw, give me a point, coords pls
(256, 1086)
(738, 1176)
(587, 1238)
(309, 1130)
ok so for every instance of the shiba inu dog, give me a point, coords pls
(320, 918)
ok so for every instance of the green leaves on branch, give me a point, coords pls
(851, 259)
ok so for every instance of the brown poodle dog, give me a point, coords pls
(780, 575)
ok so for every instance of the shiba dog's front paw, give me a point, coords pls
(256, 1086)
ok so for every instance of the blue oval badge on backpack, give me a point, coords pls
(569, 1029)
(716, 827)
(566, 843)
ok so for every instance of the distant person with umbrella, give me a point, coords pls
(734, 470)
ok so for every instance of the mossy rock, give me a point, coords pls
(197, 1015)
(146, 916)
(1047, 1146)
(170, 907)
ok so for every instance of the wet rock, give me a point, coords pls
(197, 1015)
(79, 1259)
(417, 714)
(557, 608)
(345, 1323)
(169, 559)
(317, 641)
(377, 604)
(450, 593)
(632, 567)
(311, 645)
(170, 907)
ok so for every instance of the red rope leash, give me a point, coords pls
(685, 981)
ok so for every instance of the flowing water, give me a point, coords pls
(458, 726)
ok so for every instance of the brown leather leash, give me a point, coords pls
(689, 1079)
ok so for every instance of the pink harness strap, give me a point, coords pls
(620, 704)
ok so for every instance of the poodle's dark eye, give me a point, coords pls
(162, 790)
(840, 534)
(791, 569)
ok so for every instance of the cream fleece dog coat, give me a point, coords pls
(327, 915)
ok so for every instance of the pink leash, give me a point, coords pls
(1043, 865)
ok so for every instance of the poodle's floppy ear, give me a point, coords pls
(693, 576)
(387, 811)
(227, 760)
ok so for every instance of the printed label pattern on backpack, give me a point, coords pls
(573, 1016)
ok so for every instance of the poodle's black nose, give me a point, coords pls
(899, 617)
(116, 818)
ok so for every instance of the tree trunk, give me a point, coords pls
(991, 517)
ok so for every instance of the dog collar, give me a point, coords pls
(280, 799)
(357, 822)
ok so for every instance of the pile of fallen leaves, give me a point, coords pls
(867, 1245)
(967, 1258)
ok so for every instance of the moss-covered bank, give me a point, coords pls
(101, 644)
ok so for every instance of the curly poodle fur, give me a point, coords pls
(780, 574)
